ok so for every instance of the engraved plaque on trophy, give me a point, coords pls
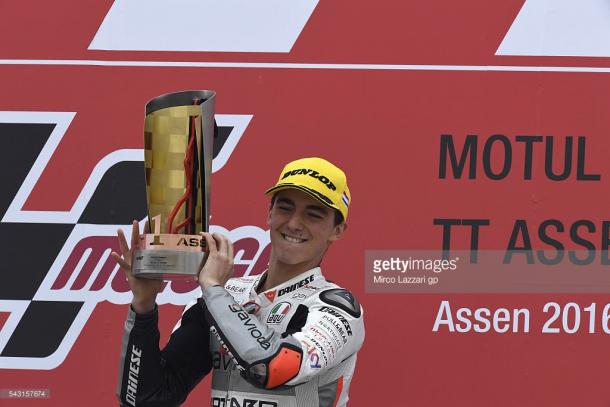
(178, 139)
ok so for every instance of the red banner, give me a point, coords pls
(461, 126)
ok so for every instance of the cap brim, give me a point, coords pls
(313, 193)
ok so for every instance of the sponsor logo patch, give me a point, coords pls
(278, 312)
(241, 402)
(250, 326)
(294, 286)
(270, 295)
(340, 317)
(235, 288)
(314, 358)
(134, 372)
(314, 174)
(299, 296)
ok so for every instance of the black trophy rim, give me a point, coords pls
(178, 99)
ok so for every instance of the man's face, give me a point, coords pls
(301, 228)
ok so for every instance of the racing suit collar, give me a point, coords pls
(288, 286)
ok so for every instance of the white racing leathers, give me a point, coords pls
(293, 345)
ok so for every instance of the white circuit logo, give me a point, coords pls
(559, 28)
(203, 25)
(82, 271)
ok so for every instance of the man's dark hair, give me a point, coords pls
(338, 215)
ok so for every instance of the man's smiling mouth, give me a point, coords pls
(293, 239)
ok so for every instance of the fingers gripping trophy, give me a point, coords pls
(178, 138)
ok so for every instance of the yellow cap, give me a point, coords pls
(320, 179)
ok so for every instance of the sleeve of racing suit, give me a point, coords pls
(150, 377)
(268, 359)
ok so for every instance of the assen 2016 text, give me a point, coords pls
(554, 318)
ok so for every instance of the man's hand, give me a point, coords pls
(218, 267)
(144, 290)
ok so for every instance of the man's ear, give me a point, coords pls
(269, 216)
(338, 231)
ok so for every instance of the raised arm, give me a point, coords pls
(149, 376)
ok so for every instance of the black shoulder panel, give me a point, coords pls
(297, 322)
(343, 300)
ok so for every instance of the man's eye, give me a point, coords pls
(283, 208)
(315, 215)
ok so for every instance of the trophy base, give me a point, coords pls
(167, 264)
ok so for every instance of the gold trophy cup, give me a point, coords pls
(178, 139)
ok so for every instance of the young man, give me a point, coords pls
(287, 337)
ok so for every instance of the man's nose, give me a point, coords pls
(295, 222)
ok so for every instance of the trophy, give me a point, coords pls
(178, 138)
